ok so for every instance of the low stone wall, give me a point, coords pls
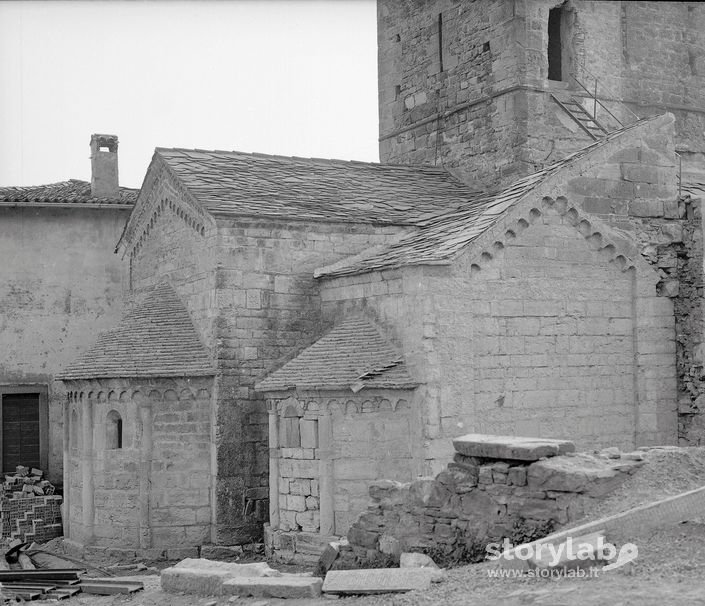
(519, 494)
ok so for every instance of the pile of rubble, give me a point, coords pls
(26, 482)
(28, 572)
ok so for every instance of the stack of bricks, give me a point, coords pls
(36, 518)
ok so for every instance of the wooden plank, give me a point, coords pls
(112, 580)
(28, 587)
(110, 588)
(36, 575)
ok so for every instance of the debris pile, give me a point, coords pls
(26, 482)
(29, 573)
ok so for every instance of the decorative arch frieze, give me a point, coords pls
(166, 195)
(351, 406)
(124, 390)
(610, 250)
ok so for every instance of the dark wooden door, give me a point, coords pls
(20, 430)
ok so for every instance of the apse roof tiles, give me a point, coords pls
(155, 338)
(353, 355)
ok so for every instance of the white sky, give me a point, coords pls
(291, 77)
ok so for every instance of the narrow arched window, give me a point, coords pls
(113, 430)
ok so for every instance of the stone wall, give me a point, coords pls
(687, 265)
(548, 347)
(152, 490)
(480, 500)
(269, 309)
(463, 112)
(60, 284)
(633, 191)
(477, 99)
(548, 331)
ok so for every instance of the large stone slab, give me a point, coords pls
(199, 576)
(378, 580)
(286, 586)
(510, 447)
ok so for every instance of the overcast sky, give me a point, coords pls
(291, 77)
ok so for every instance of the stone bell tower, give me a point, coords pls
(494, 89)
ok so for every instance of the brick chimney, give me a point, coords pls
(104, 166)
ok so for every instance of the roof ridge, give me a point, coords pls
(316, 159)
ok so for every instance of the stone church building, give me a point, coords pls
(527, 259)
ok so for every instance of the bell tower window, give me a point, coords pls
(555, 44)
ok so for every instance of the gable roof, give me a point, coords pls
(235, 183)
(352, 355)
(71, 192)
(155, 338)
(439, 240)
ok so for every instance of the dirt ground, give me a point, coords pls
(670, 568)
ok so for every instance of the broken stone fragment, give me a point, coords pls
(416, 560)
(328, 556)
(421, 560)
(611, 453)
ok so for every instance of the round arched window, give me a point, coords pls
(113, 430)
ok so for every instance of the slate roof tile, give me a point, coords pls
(236, 183)
(155, 338)
(439, 238)
(352, 355)
(72, 191)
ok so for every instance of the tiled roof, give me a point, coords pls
(235, 183)
(438, 240)
(352, 355)
(155, 338)
(72, 191)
